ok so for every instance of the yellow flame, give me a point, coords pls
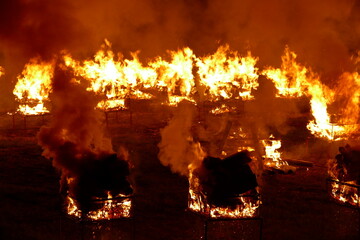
(184, 76)
(295, 80)
(290, 79)
(107, 209)
(227, 75)
(344, 192)
(2, 71)
(272, 155)
(224, 74)
(222, 109)
(33, 87)
(177, 75)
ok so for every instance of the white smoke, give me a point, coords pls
(178, 150)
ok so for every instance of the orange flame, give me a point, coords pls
(272, 155)
(110, 208)
(343, 192)
(291, 78)
(177, 75)
(33, 87)
(225, 74)
(2, 71)
(295, 80)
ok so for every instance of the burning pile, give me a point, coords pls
(100, 190)
(345, 174)
(224, 188)
(93, 177)
(219, 188)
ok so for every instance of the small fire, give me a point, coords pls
(105, 209)
(33, 87)
(246, 206)
(2, 71)
(343, 171)
(222, 109)
(272, 155)
(346, 192)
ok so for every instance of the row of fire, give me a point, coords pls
(217, 187)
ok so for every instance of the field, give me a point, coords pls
(295, 206)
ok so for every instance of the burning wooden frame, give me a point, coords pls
(100, 209)
(101, 192)
(344, 171)
(347, 193)
(240, 206)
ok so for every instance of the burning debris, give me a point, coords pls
(217, 187)
(91, 172)
(224, 188)
(272, 157)
(101, 189)
(348, 164)
(344, 171)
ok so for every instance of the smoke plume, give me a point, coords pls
(76, 143)
(325, 34)
(178, 150)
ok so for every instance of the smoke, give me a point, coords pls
(323, 33)
(76, 143)
(178, 150)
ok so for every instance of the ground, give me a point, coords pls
(295, 206)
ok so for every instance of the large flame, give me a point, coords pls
(176, 76)
(115, 78)
(183, 75)
(291, 79)
(33, 87)
(295, 80)
(227, 75)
